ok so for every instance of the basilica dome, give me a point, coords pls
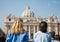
(27, 12)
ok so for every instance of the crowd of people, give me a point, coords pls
(54, 38)
(18, 34)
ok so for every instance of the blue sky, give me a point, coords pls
(44, 8)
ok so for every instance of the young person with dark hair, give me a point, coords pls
(42, 35)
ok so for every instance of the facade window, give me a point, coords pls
(27, 20)
(53, 28)
(41, 19)
(59, 30)
(35, 28)
(46, 20)
(31, 31)
(9, 19)
(52, 20)
(9, 27)
(31, 28)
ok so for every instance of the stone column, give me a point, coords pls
(49, 29)
(56, 31)
(34, 29)
(29, 31)
(37, 27)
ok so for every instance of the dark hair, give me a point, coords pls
(43, 26)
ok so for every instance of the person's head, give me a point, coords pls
(17, 26)
(52, 34)
(43, 26)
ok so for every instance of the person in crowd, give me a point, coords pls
(56, 38)
(17, 32)
(42, 35)
(52, 35)
(59, 37)
(2, 39)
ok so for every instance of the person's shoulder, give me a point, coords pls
(39, 32)
(9, 35)
(25, 32)
(48, 34)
